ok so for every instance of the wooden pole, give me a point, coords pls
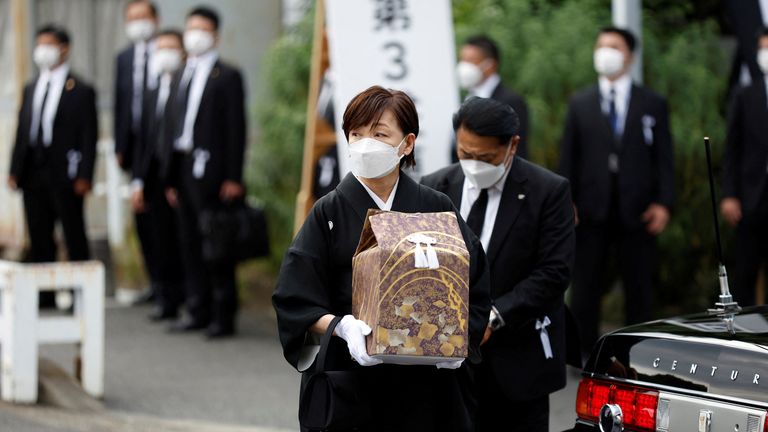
(21, 55)
(305, 200)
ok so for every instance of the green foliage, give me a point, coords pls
(546, 50)
(274, 172)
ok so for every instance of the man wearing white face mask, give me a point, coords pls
(478, 74)
(135, 75)
(55, 149)
(745, 185)
(149, 164)
(523, 216)
(205, 137)
(617, 152)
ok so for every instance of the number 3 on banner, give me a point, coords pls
(398, 60)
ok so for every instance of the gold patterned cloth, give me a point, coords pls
(410, 284)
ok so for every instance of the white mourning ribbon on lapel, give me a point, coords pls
(201, 158)
(541, 326)
(73, 160)
(648, 123)
(421, 260)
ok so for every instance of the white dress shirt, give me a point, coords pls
(623, 89)
(163, 91)
(469, 195)
(202, 66)
(485, 89)
(379, 202)
(47, 114)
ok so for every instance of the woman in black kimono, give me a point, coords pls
(315, 282)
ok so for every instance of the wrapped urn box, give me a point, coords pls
(410, 284)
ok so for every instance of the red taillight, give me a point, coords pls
(638, 405)
(765, 423)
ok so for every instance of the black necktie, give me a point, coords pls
(39, 141)
(476, 217)
(613, 118)
(182, 99)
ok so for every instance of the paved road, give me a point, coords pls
(161, 382)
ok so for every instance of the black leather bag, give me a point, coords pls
(235, 232)
(332, 400)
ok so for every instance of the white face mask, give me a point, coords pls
(198, 42)
(139, 30)
(762, 60)
(608, 61)
(167, 60)
(370, 158)
(469, 75)
(46, 56)
(482, 174)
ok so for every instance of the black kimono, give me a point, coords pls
(316, 279)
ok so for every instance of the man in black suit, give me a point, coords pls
(135, 75)
(745, 188)
(206, 133)
(523, 215)
(148, 197)
(478, 72)
(617, 153)
(55, 149)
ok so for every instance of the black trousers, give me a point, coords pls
(211, 289)
(47, 202)
(144, 232)
(162, 251)
(751, 252)
(497, 412)
(636, 254)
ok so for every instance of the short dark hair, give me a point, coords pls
(625, 34)
(59, 32)
(207, 13)
(368, 107)
(151, 4)
(487, 117)
(486, 45)
(172, 32)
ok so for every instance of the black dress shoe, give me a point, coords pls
(187, 325)
(160, 314)
(218, 331)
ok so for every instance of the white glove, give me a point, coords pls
(354, 332)
(455, 364)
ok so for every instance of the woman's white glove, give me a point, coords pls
(453, 364)
(354, 332)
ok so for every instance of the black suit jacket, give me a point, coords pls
(509, 97)
(746, 154)
(220, 128)
(646, 161)
(530, 256)
(75, 128)
(152, 144)
(125, 138)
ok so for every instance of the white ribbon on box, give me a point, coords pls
(421, 260)
(541, 326)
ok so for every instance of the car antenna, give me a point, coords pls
(725, 308)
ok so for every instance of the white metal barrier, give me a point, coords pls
(22, 328)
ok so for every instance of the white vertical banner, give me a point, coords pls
(404, 45)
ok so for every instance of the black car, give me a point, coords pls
(693, 373)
